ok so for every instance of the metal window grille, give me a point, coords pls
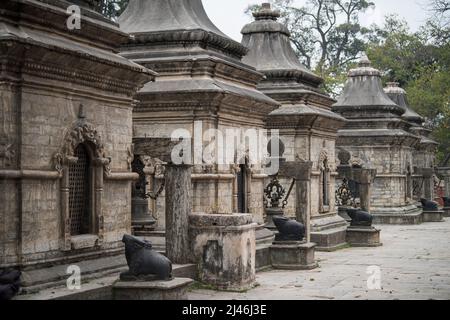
(79, 192)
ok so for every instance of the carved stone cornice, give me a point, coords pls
(194, 38)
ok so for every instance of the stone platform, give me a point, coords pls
(409, 215)
(175, 289)
(433, 216)
(363, 237)
(98, 288)
(293, 255)
(446, 212)
(329, 233)
(414, 264)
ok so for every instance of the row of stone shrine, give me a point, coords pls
(87, 116)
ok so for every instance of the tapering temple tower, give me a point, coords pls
(65, 140)
(203, 85)
(423, 161)
(308, 127)
(377, 137)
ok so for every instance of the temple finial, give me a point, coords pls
(364, 61)
(266, 13)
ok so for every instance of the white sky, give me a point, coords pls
(229, 17)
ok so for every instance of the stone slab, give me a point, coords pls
(84, 241)
(433, 216)
(330, 240)
(262, 257)
(363, 237)
(446, 212)
(175, 289)
(293, 256)
(400, 219)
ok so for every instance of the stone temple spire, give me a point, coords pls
(398, 95)
(363, 94)
(175, 21)
(270, 48)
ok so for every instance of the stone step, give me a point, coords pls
(99, 288)
(42, 278)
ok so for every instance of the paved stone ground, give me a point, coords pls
(414, 263)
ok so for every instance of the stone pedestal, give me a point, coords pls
(329, 233)
(433, 216)
(363, 237)
(178, 207)
(446, 212)
(175, 289)
(293, 255)
(224, 247)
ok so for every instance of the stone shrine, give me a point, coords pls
(420, 176)
(66, 116)
(308, 127)
(203, 87)
(377, 137)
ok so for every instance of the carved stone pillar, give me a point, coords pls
(301, 172)
(178, 208)
(365, 178)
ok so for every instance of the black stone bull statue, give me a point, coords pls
(428, 205)
(9, 284)
(289, 230)
(446, 202)
(144, 263)
(360, 218)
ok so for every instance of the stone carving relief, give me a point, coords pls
(7, 153)
(81, 132)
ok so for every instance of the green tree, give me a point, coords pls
(421, 64)
(112, 8)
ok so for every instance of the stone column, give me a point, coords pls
(365, 178)
(444, 174)
(428, 185)
(178, 207)
(301, 172)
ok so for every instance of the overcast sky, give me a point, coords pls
(228, 15)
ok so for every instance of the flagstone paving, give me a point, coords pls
(414, 262)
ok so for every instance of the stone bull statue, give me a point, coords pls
(446, 202)
(360, 218)
(144, 263)
(289, 230)
(428, 205)
(9, 284)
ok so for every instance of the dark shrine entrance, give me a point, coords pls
(242, 189)
(79, 192)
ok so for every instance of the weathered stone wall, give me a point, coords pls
(45, 115)
(314, 148)
(213, 188)
(391, 162)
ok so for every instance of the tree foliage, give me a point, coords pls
(112, 8)
(420, 62)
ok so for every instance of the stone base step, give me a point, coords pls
(330, 240)
(99, 288)
(399, 219)
(53, 276)
(433, 216)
